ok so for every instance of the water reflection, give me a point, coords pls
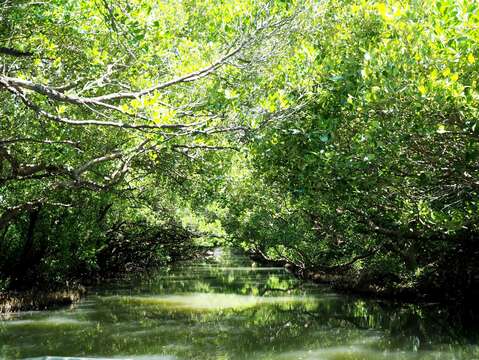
(228, 309)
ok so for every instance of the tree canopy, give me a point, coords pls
(339, 136)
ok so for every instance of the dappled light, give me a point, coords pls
(159, 316)
(239, 179)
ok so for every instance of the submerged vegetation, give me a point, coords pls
(339, 137)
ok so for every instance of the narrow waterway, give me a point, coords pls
(228, 308)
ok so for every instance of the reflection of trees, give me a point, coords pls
(113, 325)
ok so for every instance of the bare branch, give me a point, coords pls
(206, 147)
(182, 79)
(80, 170)
(13, 212)
(74, 122)
(100, 100)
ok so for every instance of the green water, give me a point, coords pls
(226, 308)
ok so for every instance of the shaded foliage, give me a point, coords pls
(340, 136)
(376, 173)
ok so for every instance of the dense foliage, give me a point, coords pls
(339, 136)
(107, 107)
(376, 173)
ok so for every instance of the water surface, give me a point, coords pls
(227, 308)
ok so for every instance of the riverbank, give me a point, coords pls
(64, 295)
(347, 282)
(350, 282)
(35, 299)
